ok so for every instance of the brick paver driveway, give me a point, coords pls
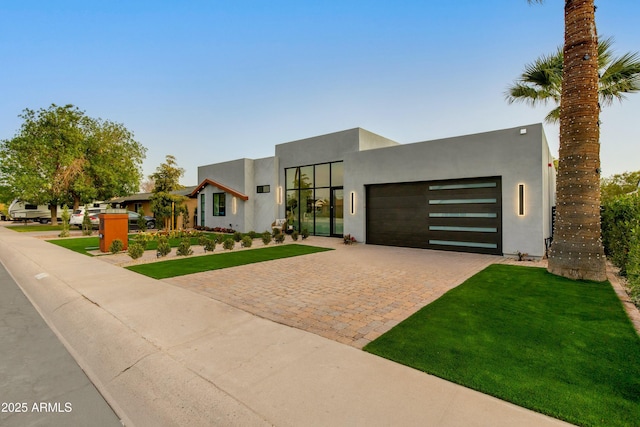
(352, 294)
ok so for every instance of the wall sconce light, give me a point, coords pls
(523, 131)
(279, 195)
(234, 205)
(521, 210)
(353, 202)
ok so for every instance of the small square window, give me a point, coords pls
(263, 189)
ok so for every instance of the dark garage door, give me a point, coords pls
(456, 215)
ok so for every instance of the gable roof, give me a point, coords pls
(143, 197)
(220, 186)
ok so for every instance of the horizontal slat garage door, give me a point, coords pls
(458, 215)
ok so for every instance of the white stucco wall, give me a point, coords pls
(232, 174)
(265, 209)
(516, 157)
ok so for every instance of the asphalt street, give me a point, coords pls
(40, 383)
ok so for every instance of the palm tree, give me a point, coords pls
(541, 81)
(577, 251)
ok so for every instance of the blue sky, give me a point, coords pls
(211, 81)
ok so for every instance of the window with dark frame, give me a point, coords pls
(219, 204)
(263, 189)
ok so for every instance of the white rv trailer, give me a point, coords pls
(22, 211)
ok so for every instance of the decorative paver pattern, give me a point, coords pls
(352, 294)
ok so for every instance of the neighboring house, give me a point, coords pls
(490, 192)
(142, 201)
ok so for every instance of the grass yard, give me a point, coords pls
(559, 347)
(190, 265)
(83, 244)
(34, 227)
(78, 244)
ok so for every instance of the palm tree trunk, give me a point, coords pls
(577, 250)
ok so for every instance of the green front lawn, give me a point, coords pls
(560, 347)
(34, 227)
(190, 265)
(84, 244)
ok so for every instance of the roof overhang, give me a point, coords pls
(220, 186)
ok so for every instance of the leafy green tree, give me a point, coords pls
(164, 202)
(61, 156)
(619, 184)
(541, 81)
(577, 251)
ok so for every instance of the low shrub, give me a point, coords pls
(294, 236)
(633, 266)
(279, 238)
(304, 233)
(229, 244)
(266, 238)
(210, 245)
(246, 242)
(254, 234)
(237, 236)
(349, 239)
(143, 239)
(116, 246)
(184, 248)
(135, 250)
(619, 217)
(164, 248)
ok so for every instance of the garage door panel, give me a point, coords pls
(460, 215)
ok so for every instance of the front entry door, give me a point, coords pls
(337, 211)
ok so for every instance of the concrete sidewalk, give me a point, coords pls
(164, 356)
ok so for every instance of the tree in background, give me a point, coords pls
(541, 81)
(147, 185)
(164, 203)
(60, 156)
(619, 184)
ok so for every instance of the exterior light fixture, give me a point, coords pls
(523, 131)
(353, 202)
(521, 210)
(234, 205)
(279, 195)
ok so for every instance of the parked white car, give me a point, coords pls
(78, 216)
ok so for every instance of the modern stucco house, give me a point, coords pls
(490, 192)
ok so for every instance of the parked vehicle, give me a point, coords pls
(133, 221)
(22, 211)
(77, 217)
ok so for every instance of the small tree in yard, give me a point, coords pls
(142, 222)
(164, 203)
(65, 222)
(87, 227)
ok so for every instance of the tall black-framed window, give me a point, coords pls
(309, 196)
(219, 204)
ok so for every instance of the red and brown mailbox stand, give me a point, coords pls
(114, 224)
